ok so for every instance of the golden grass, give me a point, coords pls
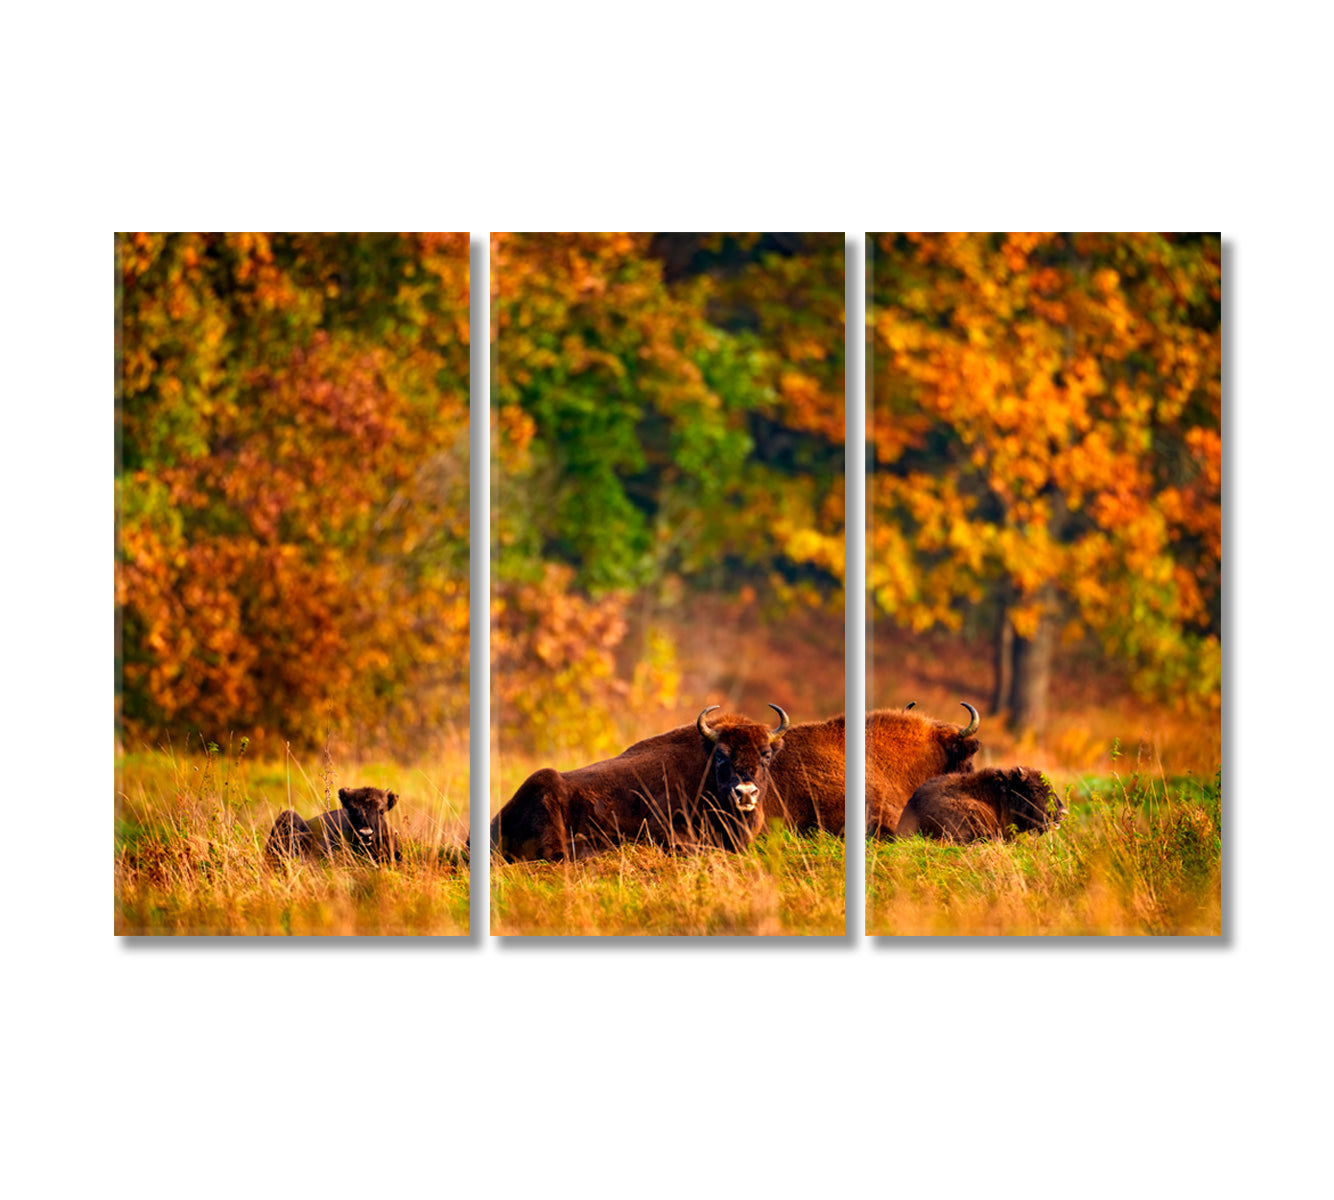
(784, 884)
(190, 835)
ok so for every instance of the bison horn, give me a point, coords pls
(910, 706)
(702, 725)
(973, 726)
(783, 723)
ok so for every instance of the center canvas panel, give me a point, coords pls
(667, 567)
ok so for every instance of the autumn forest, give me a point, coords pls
(292, 487)
(1045, 422)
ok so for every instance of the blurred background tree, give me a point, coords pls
(292, 486)
(667, 420)
(1045, 417)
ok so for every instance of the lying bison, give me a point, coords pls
(974, 806)
(903, 750)
(807, 789)
(360, 826)
(807, 785)
(699, 785)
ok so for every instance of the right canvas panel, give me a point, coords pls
(1044, 585)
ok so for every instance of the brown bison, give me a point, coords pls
(699, 785)
(806, 782)
(807, 785)
(360, 827)
(973, 806)
(903, 750)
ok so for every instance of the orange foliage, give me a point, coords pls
(554, 664)
(292, 492)
(1045, 420)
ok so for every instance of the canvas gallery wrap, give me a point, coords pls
(667, 564)
(1044, 584)
(292, 583)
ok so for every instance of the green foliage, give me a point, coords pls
(667, 417)
(633, 409)
(634, 430)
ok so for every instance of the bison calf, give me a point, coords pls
(974, 806)
(360, 826)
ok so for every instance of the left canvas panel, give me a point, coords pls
(291, 548)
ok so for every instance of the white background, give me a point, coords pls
(799, 1067)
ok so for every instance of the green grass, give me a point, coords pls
(1136, 855)
(190, 830)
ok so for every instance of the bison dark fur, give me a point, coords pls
(359, 826)
(699, 785)
(903, 750)
(975, 806)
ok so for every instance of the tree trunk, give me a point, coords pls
(1002, 696)
(1032, 678)
(1023, 669)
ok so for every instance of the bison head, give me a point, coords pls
(741, 754)
(366, 808)
(959, 744)
(1030, 801)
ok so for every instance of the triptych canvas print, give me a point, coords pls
(675, 520)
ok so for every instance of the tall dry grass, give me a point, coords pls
(784, 884)
(191, 829)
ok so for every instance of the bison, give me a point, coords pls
(974, 806)
(360, 826)
(698, 785)
(903, 750)
(807, 785)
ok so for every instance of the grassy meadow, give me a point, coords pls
(191, 828)
(1135, 855)
(786, 883)
(1140, 851)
